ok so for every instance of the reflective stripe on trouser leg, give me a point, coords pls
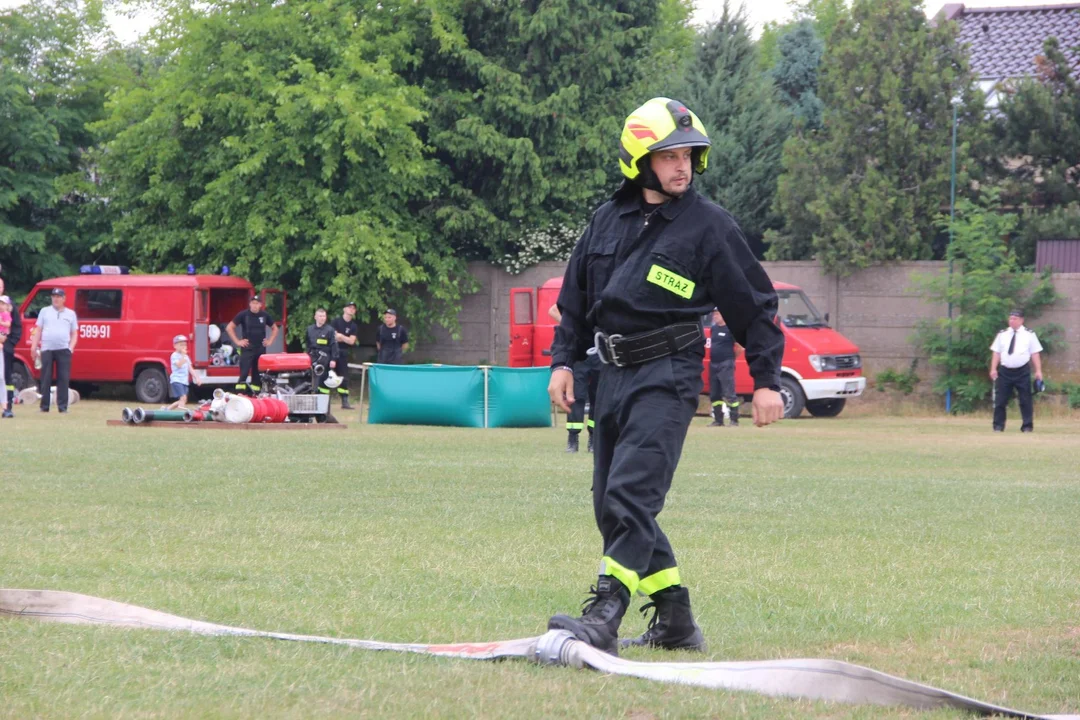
(241, 386)
(575, 426)
(255, 387)
(342, 390)
(718, 402)
(627, 577)
(591, 423)
(325, 391)
(643, 416)
(659, 581)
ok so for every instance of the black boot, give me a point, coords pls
(345, 403)
(602, 613)
(590, 442)
(733, 416)
(672, 625)
(572, 443)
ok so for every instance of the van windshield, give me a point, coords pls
(796, 310)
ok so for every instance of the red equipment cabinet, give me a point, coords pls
(821, 368)
(127, 324)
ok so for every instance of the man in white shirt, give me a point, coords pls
(54, 337)
(1014, 352)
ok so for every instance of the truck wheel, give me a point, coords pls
(20, 377)
(794, 400)
(150, 386)
(830, 407)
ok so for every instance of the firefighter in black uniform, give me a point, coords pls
(253, 322)
(722, 350)
(392, 339)
(586, 376)
(9, 344)
(322, 346)
(345, 329)
(653, 260)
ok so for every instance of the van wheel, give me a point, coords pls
(150, 386)
(792, 395)
(830, 407)
(20, 377)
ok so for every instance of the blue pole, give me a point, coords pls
(952, 217)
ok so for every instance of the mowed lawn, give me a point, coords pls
(929, 548)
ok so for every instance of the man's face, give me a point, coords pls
(320, 317)
(672, 168)
(389, 320)
(58, 302)
(717, 318)
(348, 313)
(255, 305)
(1015, 321)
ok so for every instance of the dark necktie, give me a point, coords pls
(1012, 343)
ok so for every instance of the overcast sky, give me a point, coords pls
(760, 11)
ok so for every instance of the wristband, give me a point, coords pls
(563, 367)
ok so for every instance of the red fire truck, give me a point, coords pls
(127, 324)
(821, 368)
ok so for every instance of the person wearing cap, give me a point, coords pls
(8, 343)
(345, 329)
(392, 339)
(53, 339)
(322, 346)
(722, 352)
(1013, 352)
(254, 323)
(652, 261)
(180, 371)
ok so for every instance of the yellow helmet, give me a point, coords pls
(660, 124)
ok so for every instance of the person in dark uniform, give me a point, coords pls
(254, 323)
(8, 344)
(586, 376)
(652, 261)
(722, 350)
(392, 339)
(345, 329)
(1014, 351)
(322, 346)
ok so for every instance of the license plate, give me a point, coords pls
(851, 387)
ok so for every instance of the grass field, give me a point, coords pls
(928, 548)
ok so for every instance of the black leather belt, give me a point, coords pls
(624, 350)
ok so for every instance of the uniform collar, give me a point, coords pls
(631, 203)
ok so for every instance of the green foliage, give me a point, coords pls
(867, 186)
(526, 104)
(746, 121)
(796, 72)
(52, 82)
(988, 282)
(1040, 128)
(901, 382)
(1056, 223)
(278, 140)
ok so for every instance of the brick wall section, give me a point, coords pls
(877, 309)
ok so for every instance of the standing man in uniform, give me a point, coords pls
(392, 339)
(254, 321)
(722, 352)
(586, 376)
(1014, 350)
(322, 346)
(345, 329)
(8, 344)
(54, 337)
(652, 261)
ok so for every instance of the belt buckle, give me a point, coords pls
(605, 348)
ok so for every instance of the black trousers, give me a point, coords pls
(390, 356)
(249, 367)
(62, 360)
(342, 369)
(722, 389)
(1009, 378)
(642, 415)
(9, 366)
(586, 378)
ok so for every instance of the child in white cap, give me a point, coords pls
(181, 370)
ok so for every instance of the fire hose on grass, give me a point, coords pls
(828, 680)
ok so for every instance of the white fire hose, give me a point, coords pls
(828, 680)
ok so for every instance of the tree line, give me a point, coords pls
(368, 149)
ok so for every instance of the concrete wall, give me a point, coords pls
(877, 308)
